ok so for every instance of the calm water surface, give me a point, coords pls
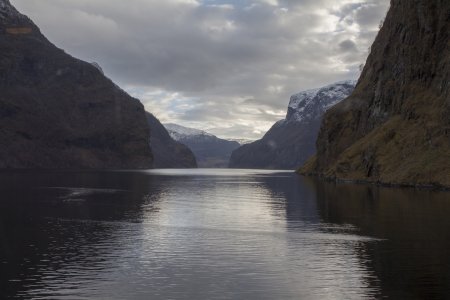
(218, 234)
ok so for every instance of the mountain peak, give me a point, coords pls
(60, 112)
(6, 9)
(4, 3)
(178, 131)
(394, 128)
(291, 141)
(9, 15)
(309, 104)
(210, 151)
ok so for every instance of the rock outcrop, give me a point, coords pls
(59, 112)
(290, 142)
(167, 152)
(395, 127)
(209, 150)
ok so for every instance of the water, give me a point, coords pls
(218, 234)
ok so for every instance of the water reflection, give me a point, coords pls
(217, 234)
(54, 226)
(334, 249)
(411, 261)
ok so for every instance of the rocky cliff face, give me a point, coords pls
(59, 112)
(395, 127)
(290, 142)
(210, 151)
(167, 152)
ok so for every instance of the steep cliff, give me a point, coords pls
(395, 127)
(59, 112)
(290, 142)
(167, 152)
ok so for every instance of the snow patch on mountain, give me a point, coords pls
(241, 141)
(210, 151)
(290, 142)
(310, 104)
(178, 132)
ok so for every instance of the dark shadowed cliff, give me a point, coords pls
(395, 127)
(59, 112)
(290, 142)
(167, 152)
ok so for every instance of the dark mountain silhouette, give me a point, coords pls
(60, 112)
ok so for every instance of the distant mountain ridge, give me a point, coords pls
(210, 151)
(241, 141)
(178, 132)
(167, 152)
(291, 141)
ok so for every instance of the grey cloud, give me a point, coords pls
(347, 46)
(371, 14)
(211, 57)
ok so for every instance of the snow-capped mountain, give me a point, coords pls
(291, 141)
(312, 104)
(242, 141)
(167, 152)
(178, 132)
(209, 150)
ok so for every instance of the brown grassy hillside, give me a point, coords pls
(395, 127)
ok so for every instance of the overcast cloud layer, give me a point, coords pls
(226, 66)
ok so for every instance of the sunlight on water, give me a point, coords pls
(216, 172)
(198, 234)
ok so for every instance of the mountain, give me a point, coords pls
(210, 151)
(241, 141)
(59, 112)
(290, 142)
(167, 152)
(395, 127)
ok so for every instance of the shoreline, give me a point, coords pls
(430, 186)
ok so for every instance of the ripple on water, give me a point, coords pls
(199, 234)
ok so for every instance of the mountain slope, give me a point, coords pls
(290, 142)
(395, 127)
(59, 112)
(210, 151)
(167, 152)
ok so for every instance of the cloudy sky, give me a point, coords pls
(225, 66)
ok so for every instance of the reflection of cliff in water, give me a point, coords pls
(50, 221)
(336, 244)
(298, 200)
(97, 234)
(414, 226)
